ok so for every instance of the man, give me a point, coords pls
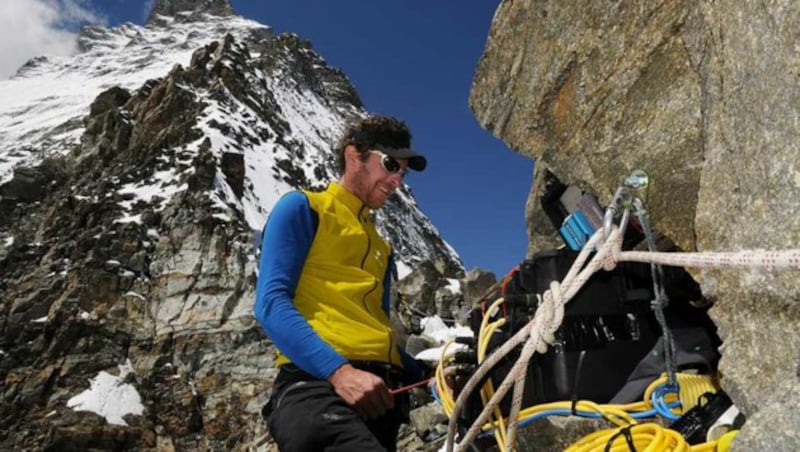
(323, 298)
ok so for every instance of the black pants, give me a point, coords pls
(306, 414)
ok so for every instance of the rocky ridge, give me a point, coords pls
(128, 223)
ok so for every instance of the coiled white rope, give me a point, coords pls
(540, 331)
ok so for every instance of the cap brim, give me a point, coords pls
(416, 161)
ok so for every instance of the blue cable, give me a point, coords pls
(589, 414)
(660, 407)
(658, 399)
(435, 394)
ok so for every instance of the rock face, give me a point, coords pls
(703, 96)
(189, 9)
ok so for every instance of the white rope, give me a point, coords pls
(540, 331)
(768, 261)
(542, 327)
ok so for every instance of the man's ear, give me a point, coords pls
(351, 155)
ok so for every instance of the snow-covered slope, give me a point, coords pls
(287, 109)
(45, 102)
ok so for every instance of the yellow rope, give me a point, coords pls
(487, 391)
(691, 388)
(647, 437)
(442, 388)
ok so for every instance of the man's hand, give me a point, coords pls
(365, 392)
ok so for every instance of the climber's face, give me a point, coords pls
(372, 176)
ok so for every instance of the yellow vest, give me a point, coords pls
(340, 290)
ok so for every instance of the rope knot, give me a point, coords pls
(549, 315)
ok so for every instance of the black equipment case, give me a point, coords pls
(608, 328)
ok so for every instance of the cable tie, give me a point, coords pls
(624, 432)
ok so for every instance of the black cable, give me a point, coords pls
(661, 300)
(576, 381)
(626, 433)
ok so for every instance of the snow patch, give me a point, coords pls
(453, 286)
(135, 295)
(109, 397)
(435, 328)
(403, 270)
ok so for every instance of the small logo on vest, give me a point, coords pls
(378, 255)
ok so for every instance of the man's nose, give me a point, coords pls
(396, 180)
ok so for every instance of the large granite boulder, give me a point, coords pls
(703, 96)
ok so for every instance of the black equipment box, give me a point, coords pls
(608, 328)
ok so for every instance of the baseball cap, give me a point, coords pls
(416, 161)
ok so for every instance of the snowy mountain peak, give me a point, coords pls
(147, 108)
(188, 10)
(45, 102)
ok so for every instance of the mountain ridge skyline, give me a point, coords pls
(475, 189)
(305, 140)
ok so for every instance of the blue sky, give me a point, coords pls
(415, 60)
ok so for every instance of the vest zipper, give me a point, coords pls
(364, 299)
(364, 259)
(369, 240)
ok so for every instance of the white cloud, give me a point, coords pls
(40, 28)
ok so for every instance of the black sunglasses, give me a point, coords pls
(391, 164)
